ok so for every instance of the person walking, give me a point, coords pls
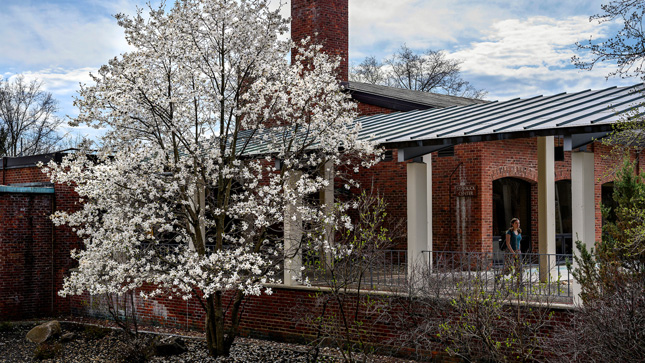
(514, 237)
(513, 243)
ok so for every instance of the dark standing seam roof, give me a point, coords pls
(422, 99)
(581, 109)
(582, 112)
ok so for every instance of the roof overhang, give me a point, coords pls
(579, 118)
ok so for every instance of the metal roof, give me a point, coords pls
(561, 114)
(581, 117)
(365, 92)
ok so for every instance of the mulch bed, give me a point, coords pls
(96, 344)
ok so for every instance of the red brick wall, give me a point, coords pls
(34, 256)
(365, 109)
(285, 316)
(509, 159)
(66, 240)
(26, 264)
(22, 175)
(26, 274)
(479, 164)
(389, 180)
(605, 165)
(330, 19)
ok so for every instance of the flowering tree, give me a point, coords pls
(212, 137)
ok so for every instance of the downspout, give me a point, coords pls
(4, 170)
(57, 157)
(53, 257)
(451, 210)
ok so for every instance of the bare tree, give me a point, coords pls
(430, 71)
(27, 118)
(626, 47)
(369, 70)
(3, 140)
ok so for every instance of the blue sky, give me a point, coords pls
(511, 48)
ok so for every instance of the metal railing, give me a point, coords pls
(563, 245)
(535, 274)
(377, 270)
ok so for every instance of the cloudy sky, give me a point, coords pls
(511, 48)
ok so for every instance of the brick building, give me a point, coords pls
(456, 170)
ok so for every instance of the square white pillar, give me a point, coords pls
(546, 206)
(583, 206)
(417, 200)
(427, 159)
(327, 200)
(292, 234)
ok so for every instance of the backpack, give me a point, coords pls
(502, 242)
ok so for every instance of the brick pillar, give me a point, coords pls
(330, 20)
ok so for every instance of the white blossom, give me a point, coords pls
(184, 192)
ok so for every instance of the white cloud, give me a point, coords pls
(533, 56)
(535, 44)
(61, 81)
(378, 27)
(52, 35)
(510, 48)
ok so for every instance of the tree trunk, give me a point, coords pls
(216, 341)
(210, 327)
(236, 316)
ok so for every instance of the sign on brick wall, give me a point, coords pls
(468, 190)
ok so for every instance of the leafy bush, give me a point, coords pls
(611, 321)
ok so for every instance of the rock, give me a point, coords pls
(67, 337)
(170, 346)
(43, 332)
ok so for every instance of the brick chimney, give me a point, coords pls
(328, 18)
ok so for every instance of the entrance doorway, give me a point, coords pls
(511, 199)
(563, 229)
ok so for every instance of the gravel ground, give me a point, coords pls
(91, 346)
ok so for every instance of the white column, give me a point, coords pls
(327, 199)
(417, 191)
(546, 205)
(292, 234)
(583, 208)
(427, 159)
